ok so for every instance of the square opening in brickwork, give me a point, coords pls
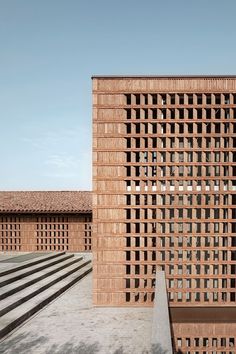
(190, 99)
(181, 99)
(128, 99)
(154, 98)
(218, 99)
(199, 99)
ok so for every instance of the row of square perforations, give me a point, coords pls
(180, 99)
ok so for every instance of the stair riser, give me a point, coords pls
(33, 281)
(38, 307)
(43, 288)
(47, 258)
(21, 276)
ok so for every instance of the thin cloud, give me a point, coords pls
(62, 161)
(66, 166)
(50, 139)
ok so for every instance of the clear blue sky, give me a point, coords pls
(50, 49)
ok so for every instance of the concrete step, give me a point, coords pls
(21, 313)
(14, 287)
(30, 263)
(20, 274)
(29, 292)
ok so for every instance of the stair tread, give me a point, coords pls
(16, 313)
(22, 272)
(28, 278)
(28, 263)
(30, 289)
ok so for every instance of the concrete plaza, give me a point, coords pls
(71, 324)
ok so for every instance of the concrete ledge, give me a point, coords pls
(16, 317)
(11, 289)
(30, 263)
(28, 293)
(20, 274)
(161, 333)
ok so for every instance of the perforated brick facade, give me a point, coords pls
(164, 180)
(45, 221)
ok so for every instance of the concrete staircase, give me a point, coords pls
(28, 287)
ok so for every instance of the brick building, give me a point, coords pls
(45, 221)
(164, 181)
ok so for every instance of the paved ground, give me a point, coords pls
(71, 325)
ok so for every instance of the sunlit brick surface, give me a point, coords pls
(164, 181)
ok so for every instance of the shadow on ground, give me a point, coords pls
(82, 348)
(157, 349)
(25, 343)
(19, 344)
(70, 348)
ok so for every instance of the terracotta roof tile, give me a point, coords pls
(42, 202)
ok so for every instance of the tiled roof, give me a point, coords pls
(43, 202)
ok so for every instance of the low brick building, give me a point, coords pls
(46, 221)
